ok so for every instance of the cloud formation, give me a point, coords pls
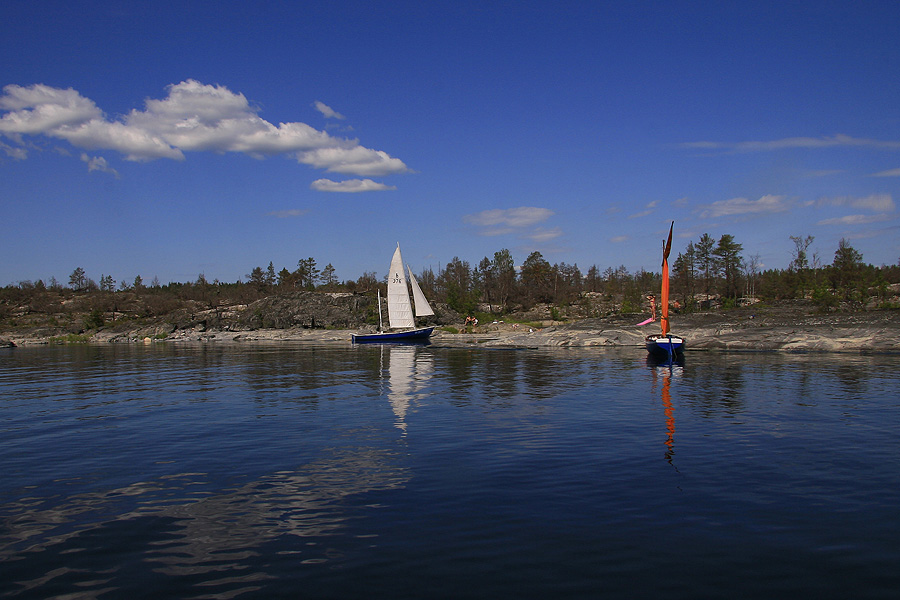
(14, 153)
(835, 141)
(540, 235)
(646, 212)
(888, 173)
(523, 216)
(855, 220)
(743, 206)
(327, 111)
(98, 163)
(873, 202)
(350, 185)
(193, 117)
(504, 221)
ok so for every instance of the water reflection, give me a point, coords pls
(275, 471)
(409, 369)
(663, 373)
(198, 532)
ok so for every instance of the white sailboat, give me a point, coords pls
(401, 318)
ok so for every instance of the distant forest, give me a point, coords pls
(708, 272)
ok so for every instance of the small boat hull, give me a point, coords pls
(665, 345)
(416, 336)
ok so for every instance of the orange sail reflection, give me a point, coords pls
(669, 411)
(666, 373)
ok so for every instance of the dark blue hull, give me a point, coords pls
(665, 346)
(413, 336)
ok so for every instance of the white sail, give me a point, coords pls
(423, 309)
(400, 313)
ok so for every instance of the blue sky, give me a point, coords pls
(169, 139)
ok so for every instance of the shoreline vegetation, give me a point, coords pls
(793, 326)
(719, 301)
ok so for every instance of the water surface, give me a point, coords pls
(308, 471)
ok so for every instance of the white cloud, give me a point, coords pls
(888, 173)
(505, 221)
(284, 214)
(873, 202)
(522, 216)
(541, 235)
(355, 160)
(619, 239)
(855, 220)
(497, 231)
(835, 141)
(98, 163)
(136, 144)
(351, 185)
(193, 117)
(743, 206)
(327, 111)
(648, 210)
(15, 153)
(41, 108)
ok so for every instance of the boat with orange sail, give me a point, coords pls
(665, 345)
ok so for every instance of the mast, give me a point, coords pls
(380, 321)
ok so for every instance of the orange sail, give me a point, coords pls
(664, 319)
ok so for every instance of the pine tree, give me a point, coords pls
(78, 280)
(729, 262)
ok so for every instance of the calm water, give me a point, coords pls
(398, 472)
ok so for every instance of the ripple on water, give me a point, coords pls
(255, 471)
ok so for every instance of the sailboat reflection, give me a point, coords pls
(409, 367)
(664, 372)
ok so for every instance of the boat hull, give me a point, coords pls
(416, 336)
(665, 345)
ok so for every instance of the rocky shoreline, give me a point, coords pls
(874, 331)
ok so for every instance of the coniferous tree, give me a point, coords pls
(684, 271)
(328, 278)
(454, 282)
(706, 261)
(257, 279)
(284, 278)
(728, 260)
(536, 279)
(848, 272)
(107, 283)
(307, 274)
(486, 282)
(799, 265)
(78, 280)
(504, 270)
(592, 280)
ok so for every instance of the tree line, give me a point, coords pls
(707, 271)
